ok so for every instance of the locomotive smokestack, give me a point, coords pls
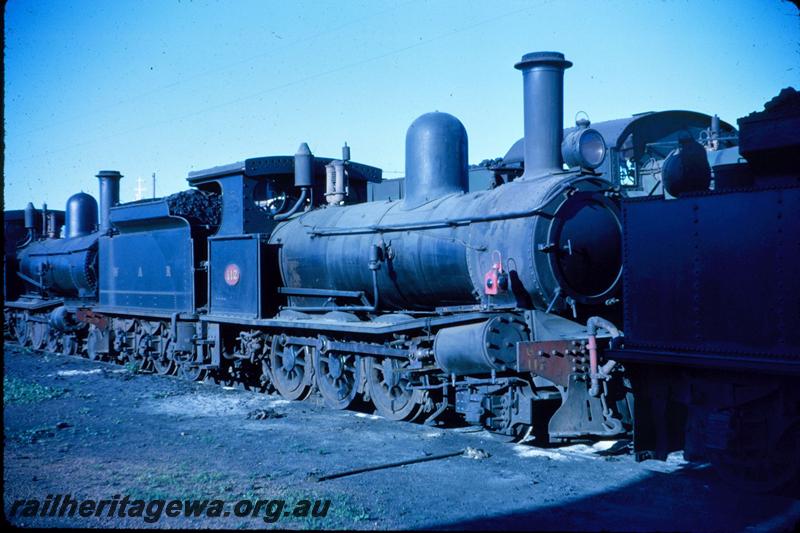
(543, 86)
(109, 196)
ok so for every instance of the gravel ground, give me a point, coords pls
(95, 430)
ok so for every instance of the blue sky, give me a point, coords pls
(170, 86)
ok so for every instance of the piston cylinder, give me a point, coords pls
(479, 348)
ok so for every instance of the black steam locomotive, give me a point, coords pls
(490, 292)
(712, 303)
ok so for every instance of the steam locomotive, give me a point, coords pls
(493, 292)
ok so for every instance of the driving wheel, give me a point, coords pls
(390, 389)
(292, 369)
(338, 378)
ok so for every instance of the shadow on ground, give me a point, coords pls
(650, 504)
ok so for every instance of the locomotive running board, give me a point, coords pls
(373, 327)
(34, 305)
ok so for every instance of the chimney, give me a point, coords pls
(109, 196)
(543, 86)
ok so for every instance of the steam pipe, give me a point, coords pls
(31, 281)
(593, 325)
(295, 207)
(543, 93)
(27, 241)
(596, 323)
(442, 223)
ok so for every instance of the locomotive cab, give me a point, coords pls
(256, 194)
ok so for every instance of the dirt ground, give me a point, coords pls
(95, 430)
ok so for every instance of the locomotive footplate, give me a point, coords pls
(565, 363)
(33, 305)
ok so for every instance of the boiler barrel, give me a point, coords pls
(65, 267)
(412, 273)
(556, 238)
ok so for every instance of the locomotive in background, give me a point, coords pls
(496, 304)
(712, 304)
